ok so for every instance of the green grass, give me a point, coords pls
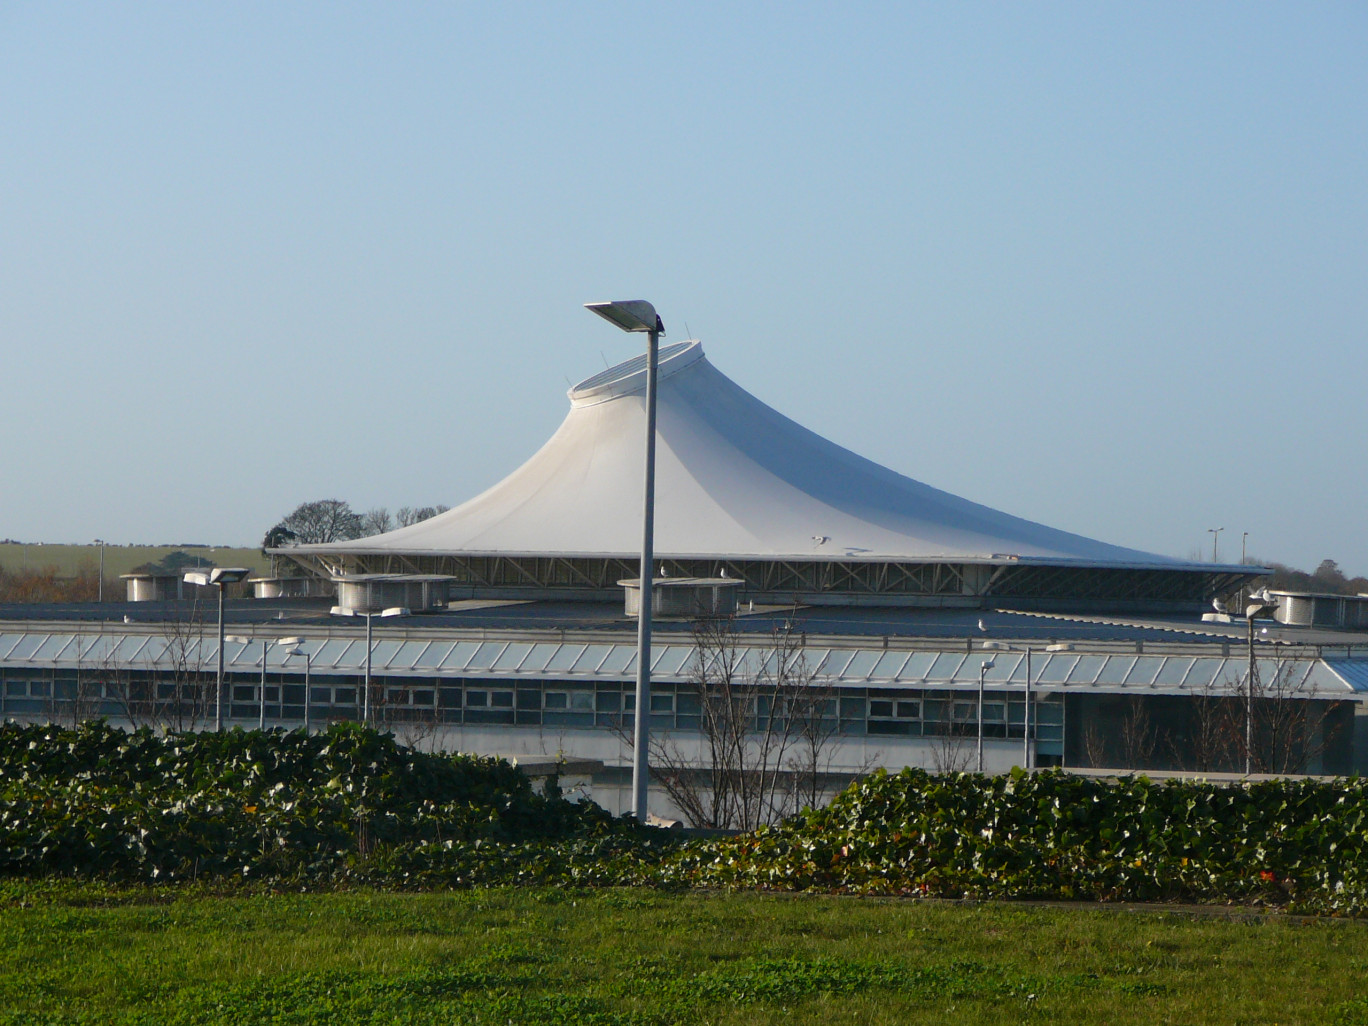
(71, 560)
(87, 954)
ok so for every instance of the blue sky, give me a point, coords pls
(1100, 265)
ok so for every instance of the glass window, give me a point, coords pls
(1087, 668)
(889, 666)
(556, 700)
(946, 666)
(476, 699)
(459, 655)
(863, 662)
(52, 646)
(125, 653)
(880, 707)
(909, 710)
(383, 653)
(1204, 673)
(564, 658)
(1056, 669)
(619, 659)
(512, 657)
(1144, 670)
(501, 699)
(662, 703)
(852, 708)
(1115, 670)
(582, 701)
(332, 651)
(344, 696)
(918, 666)
(673, 661)
(1173, 671)
(408, 653)
(588, 662)
(485, 655)
(835, 665)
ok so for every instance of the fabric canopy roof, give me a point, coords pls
(735, 480)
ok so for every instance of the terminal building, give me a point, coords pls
(920, 624)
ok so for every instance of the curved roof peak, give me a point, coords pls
(629, 377)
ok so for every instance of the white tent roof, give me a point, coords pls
(735, 479)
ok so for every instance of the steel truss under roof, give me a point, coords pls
(1172, 669)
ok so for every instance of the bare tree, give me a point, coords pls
(762, 748)
(376, 521)
(1136, 735)
(1286, 724)
(1208, 744)
(407, 516)
(72, 701)
(950, 752)
(176, 692)
(321, 521)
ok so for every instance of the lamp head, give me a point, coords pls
(629, 315)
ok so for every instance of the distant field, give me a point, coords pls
(119, 559)
(89, 954)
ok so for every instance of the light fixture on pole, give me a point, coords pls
(1215, 533)
(295, 647)
(369, 615)
(640, 316)
(984, 667)
(1003, 646)
(100, 591)
(219, 577)
(261, 696)
(1260, 604)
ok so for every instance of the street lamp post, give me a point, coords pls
(100, 592)
(640, 316)
(261, 696)
(1259, 605)
(369, 614)
(984, 667)
(1215, 533)
(1003, 646)
(295, 647)
(219, 576)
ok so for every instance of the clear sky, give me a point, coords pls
(1101, 265)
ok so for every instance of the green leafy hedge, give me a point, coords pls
(1052, 835)
(351, 805)
(99, 802)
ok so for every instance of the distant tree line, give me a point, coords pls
(1326, 578)
(332, 520)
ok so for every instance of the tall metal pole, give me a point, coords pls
(983, 670)
(366, 698)
(641, 737)
(101, 591)
(218, 691)
(1026, 719)
(308, 691)
(1249, 702)
(261, 698)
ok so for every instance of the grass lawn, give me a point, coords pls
(91, 954)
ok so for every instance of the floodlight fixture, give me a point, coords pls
(1004, 646)
(630, 315)
(295, 647)
(218, 576)
(369, 615)
(640, 316)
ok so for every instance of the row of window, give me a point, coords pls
(854, 711)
